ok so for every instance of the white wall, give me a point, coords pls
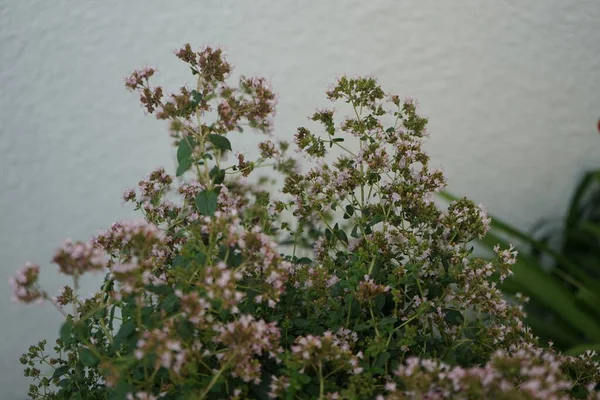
(512, 89)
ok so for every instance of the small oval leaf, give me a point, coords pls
(219, 141)
(206, 202)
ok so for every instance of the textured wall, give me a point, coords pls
(511, 89)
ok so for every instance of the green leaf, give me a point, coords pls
(121, 390)
(377, 218)
(217, 175)
(349, 212)
(200, 258)
(170, 303)
(179, 261)
(304, 379)
(82, 331)
(555, 329)
(60, 371)
(380, 301)
(341, 235)
(206, 202)
(235, 260)
(304, 261)
(577, 350)
(186, 330)
(66, 332)
(196, 98)
(453, 317)
(126, 330)
(88, 358)
(388, 321)
(381, 360)
(592, 229)
(185, 149)
(301, 322)
(578, 195)
(219, 141)
(183, 167)
(64, 383)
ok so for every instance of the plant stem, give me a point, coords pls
(213, 381)
(321, 382)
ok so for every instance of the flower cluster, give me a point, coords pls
(368, 290)
(245, 340)
(524, 373)
(77, 258)
(24, 284)
(316, 352)
(265, 266)
(169, 352)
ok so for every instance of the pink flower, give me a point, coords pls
(24, 284)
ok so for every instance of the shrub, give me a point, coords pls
(202, 300)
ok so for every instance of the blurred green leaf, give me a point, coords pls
(588, 179)
(88, 358)
(60, 371)
(66, 332)
(126, 330)
(206, 202)
(575, 351)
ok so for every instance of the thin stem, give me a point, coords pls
(399, 327)
(371, 266)
(348, 317)
(321, 382)
(296, 239)
(345, 149)
(362, 171)
(75, 289)
(213, 381)
(48, 298)
(374, 321)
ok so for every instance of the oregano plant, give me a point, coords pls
(349, 283)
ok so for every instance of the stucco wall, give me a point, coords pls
(511, 88)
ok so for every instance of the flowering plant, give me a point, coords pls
(376, 296)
